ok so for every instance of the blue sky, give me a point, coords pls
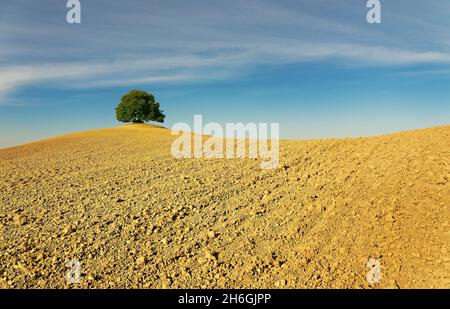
(316, 67)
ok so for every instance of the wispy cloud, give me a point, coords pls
(137, 43)
(187, 68)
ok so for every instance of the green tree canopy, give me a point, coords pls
(139, 106)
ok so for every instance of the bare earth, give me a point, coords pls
(135, 217)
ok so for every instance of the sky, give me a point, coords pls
(315, 67)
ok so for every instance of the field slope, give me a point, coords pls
(116, 200)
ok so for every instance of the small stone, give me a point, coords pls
(201, 260)
(211, 234)
(40, 256)
(211, 256)
(276, 263)
(141, 261)
(67, 230)
(19, 220)
(165, 283)
(23, 268)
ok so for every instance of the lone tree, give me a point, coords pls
(138, 106)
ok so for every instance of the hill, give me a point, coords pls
(117, 201)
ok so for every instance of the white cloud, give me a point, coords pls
(195, 41)
(180, 67)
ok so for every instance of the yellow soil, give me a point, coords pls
(135, 217)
